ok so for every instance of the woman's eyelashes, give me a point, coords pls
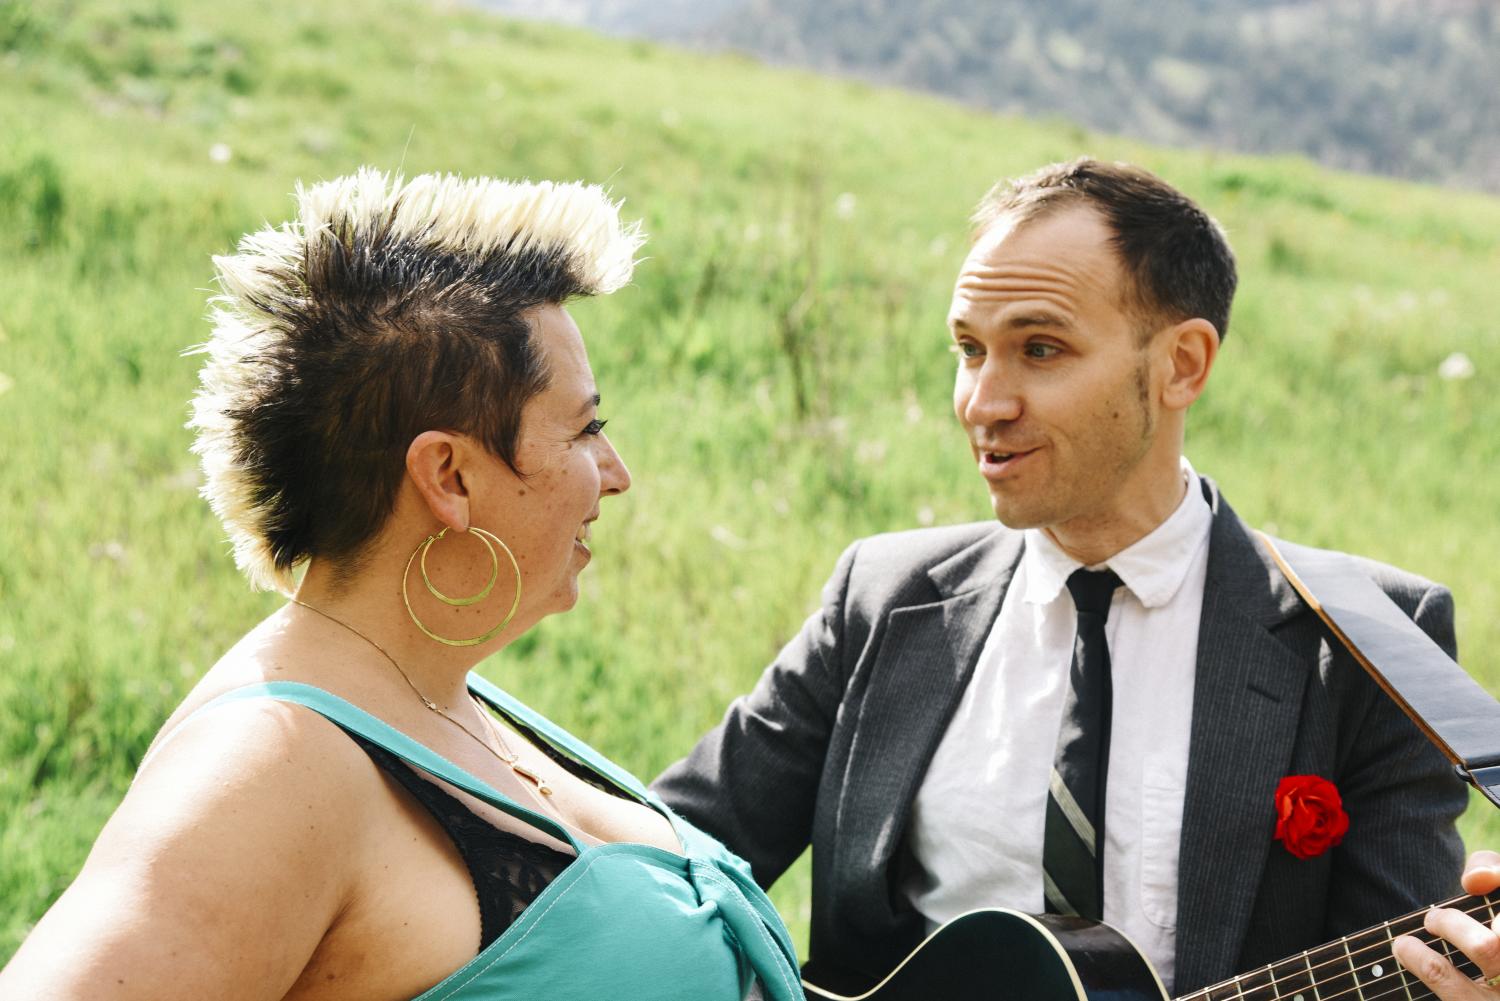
(595, 426)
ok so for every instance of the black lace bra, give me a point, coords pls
(508, 870)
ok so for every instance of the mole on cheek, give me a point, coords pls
(521, 492)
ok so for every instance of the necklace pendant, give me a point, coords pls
(532, 777)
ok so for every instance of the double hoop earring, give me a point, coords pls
(490, 541)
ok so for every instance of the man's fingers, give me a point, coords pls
(1472, 938)
(1437, 973)
(1482, 873)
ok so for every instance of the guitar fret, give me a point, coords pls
(1411, 924)
(1408, 925)
(1400, 973)
(1312, 979)
(1375, 968)
(1290, 979)
(1333, 973)
(1353, 971)
(1259, 985)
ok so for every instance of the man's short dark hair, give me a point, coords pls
(1176, 259)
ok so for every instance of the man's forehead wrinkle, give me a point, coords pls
(1056, 294)
(1013, 285)
(1044, 271)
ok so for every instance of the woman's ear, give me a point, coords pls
(1192, 347)
(433, 461)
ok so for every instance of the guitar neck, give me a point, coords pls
(1358, 967)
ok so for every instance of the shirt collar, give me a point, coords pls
(1153, 567)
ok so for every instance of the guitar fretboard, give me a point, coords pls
(1359, 967)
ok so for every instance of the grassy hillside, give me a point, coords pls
(777, 376)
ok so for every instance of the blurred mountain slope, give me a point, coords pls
(1408, 88)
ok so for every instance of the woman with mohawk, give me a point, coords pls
(396, 403)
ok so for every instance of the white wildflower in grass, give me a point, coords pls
(111, 550)
(220, 153)
(266, 285)
(726, 538)
(926, 516)
(1456, 366)
(844, 205)
(6, 383)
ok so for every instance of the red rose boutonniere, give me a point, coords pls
(1310, 817)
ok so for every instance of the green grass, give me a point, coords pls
(777, 376)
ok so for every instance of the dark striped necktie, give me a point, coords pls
(1073, 846)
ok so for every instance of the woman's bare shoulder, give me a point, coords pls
(263, 748)
(245, 826)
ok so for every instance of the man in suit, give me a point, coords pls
(1090, 706)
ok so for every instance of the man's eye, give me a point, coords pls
(594, 426)
(966, 349)
(1041, 350)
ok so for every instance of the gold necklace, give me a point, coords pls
(508, 757)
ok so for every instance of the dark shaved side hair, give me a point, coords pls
(386, 310)
(387, 339)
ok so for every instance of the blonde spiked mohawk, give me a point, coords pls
(385, 309)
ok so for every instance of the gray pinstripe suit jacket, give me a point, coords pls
(831, 745)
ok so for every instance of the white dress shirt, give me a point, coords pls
(978, 819)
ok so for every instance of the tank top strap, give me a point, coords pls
(559, 738)
(355, 720)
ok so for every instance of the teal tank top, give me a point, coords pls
(623, 920)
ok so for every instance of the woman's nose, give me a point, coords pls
(614, 475)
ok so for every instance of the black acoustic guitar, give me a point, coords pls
(1001, 955)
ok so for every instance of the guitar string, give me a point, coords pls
(1313, 968)
(1360, 989)
(1417, 993)
(1461, 963)
(1482, 908)
(1421, 993)
(1354, 971)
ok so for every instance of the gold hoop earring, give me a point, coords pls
(461, 602)
(487, 538)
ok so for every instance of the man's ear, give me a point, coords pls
(434, 462)
(1191, 347)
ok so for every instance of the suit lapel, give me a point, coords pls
(1247, 700)
(925, 660)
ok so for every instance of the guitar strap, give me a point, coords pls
(1457, 715)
